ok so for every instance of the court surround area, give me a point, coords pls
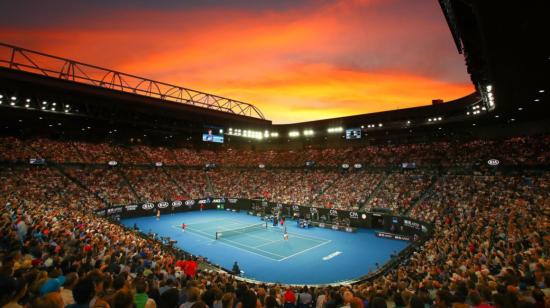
(320, 256)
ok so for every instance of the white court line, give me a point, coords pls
(207, 221)
(194, 230)
(304, 251)
(269, 243)
(306, 237)
(239, 245)
(240, 248)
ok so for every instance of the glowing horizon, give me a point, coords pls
(295, 62)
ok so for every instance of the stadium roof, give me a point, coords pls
(504, 45)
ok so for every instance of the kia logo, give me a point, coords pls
(148, 206)
(189, 202)
(176, 203)
(493, 162)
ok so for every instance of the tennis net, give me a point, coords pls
(242, 230)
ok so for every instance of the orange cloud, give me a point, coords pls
(337, 59)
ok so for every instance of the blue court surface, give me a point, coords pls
(309, 256)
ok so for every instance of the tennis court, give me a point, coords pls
(309, 256)
(260, 239)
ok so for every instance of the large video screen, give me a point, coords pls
(353, 133)
(212, 134)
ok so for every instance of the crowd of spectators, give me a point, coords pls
(399, 191)
(511, 151)
(489, 249)
(106, 182)
(350, 191)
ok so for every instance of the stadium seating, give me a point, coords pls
(490, 243)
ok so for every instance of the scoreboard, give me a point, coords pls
(353, 133)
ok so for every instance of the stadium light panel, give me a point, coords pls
(293, 134)
(13, 98)
(541, 91)
(28, 100)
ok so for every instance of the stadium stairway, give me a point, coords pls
(127, 182)
(77, 150)
(428, 192)
(375, 192)
(323, 189)
(80, 184)
(172, 178)
(209, 186)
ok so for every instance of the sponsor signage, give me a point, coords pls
(148, 206)
(112, 163)
(345, 166)
(163, 205)
(393, 236)
(333, 212)
(37, 161)
(353, 215)
(412, 224)
(177, 203)
(189, 202)
(158, 164)
(114, 210)
(131, 207)
(357, 166)
(493, 162)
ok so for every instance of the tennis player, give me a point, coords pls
(183, 226)
(285, 236)
(158, 214)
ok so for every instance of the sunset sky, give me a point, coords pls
(295, 60)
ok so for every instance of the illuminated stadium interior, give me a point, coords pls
(119, 190)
